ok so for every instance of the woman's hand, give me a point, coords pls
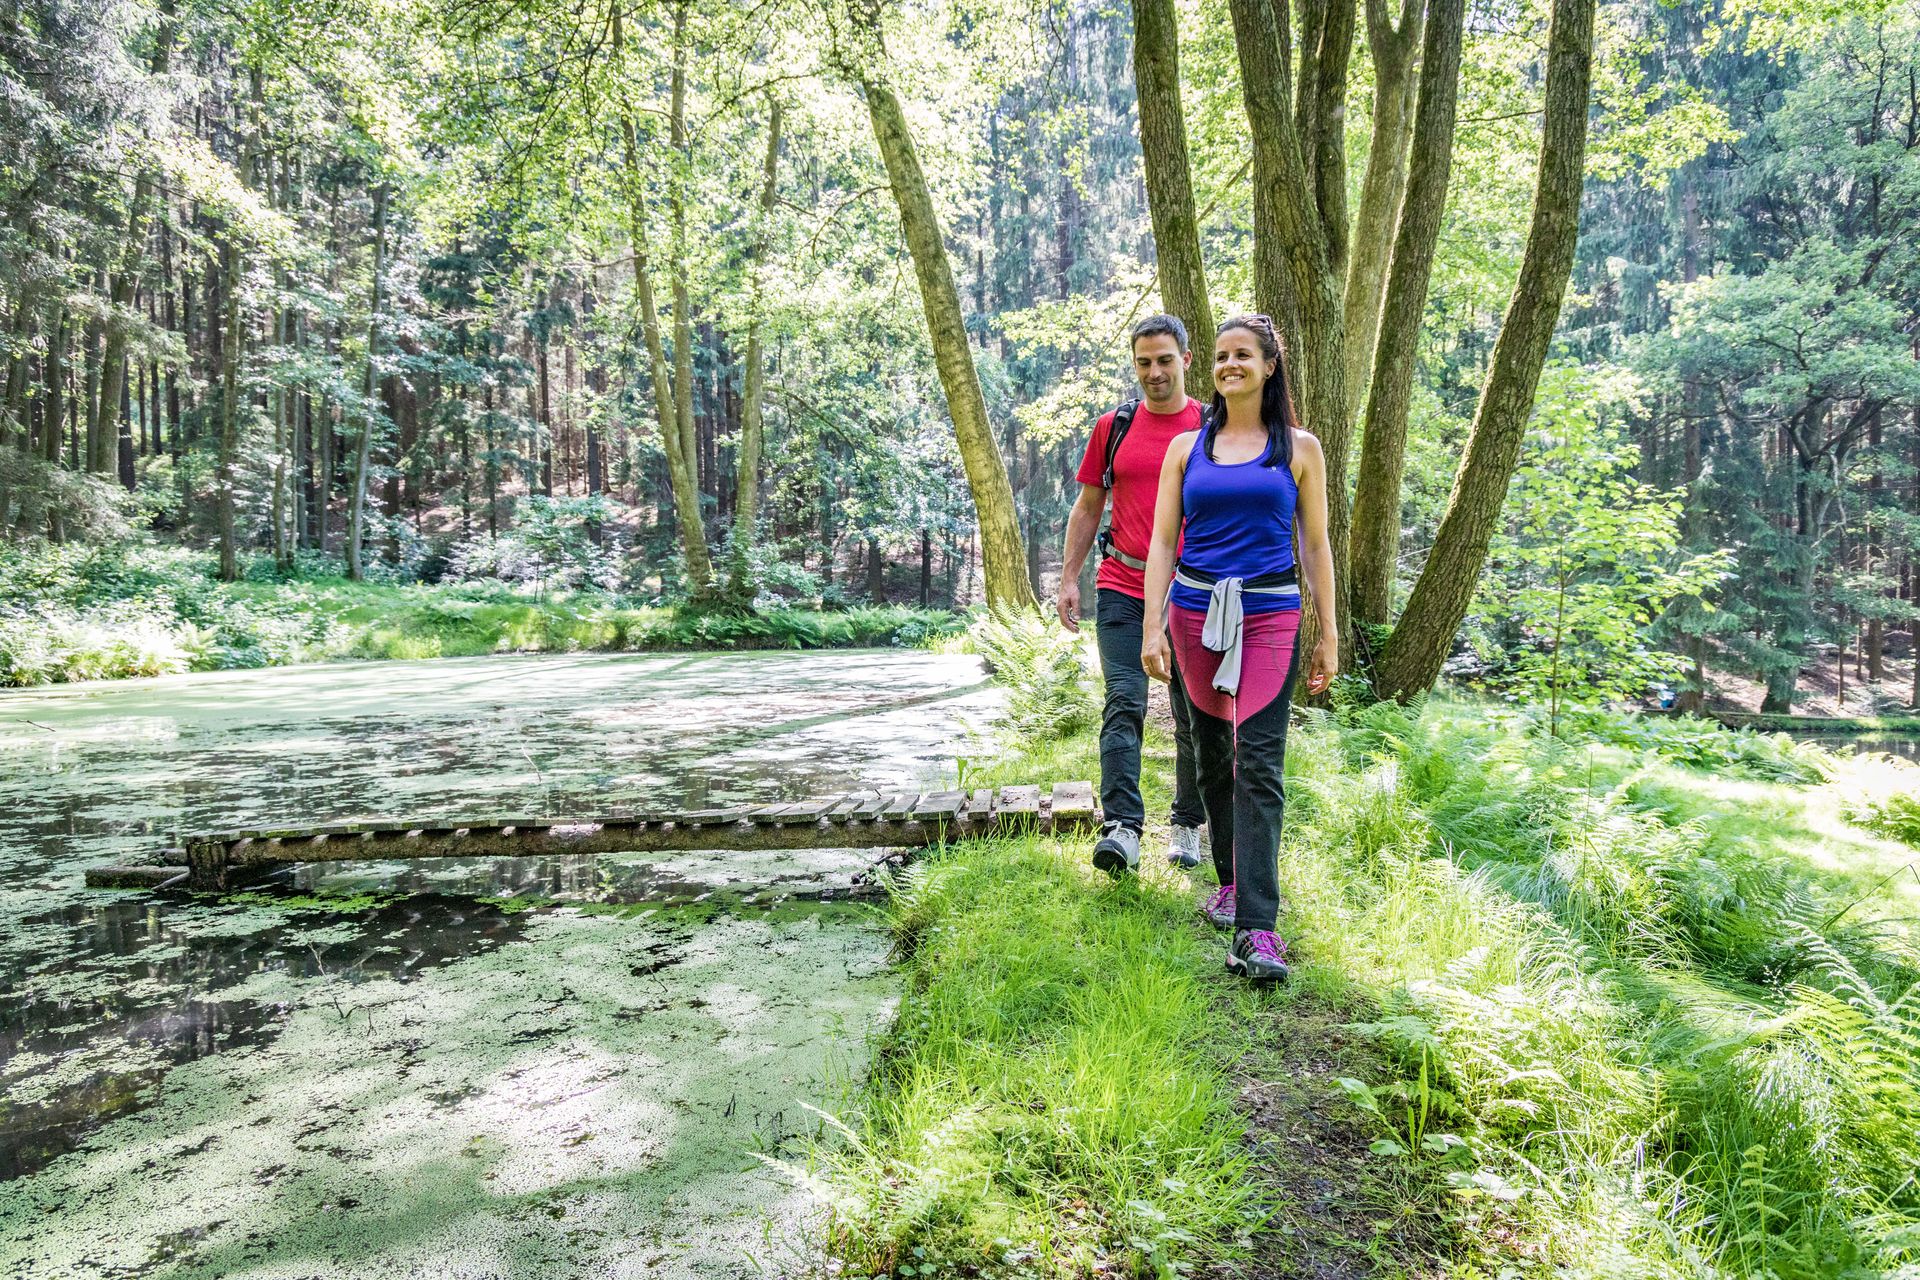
(1155, 656)
(1325, 663)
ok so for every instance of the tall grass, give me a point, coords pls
(1659, 1050)
(1632, 1030)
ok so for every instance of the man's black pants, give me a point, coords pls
(1120, 618)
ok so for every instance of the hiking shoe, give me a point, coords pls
(1258, 954)
(1117, 850)
(1183, 847)
(1219, 908)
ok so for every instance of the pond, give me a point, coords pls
(1906, 746)
(533, 1067)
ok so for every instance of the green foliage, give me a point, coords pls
(556, 544)
(1044, 669)
(1053, 1092)
(104, 612)
(1640, 1039)
(1704, 745)
(1588, 559)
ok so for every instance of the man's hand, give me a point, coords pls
(1068, 605)
(1324, 665)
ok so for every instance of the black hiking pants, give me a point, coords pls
(1120, 619)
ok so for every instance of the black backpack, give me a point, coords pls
(1122, 419)
(1116, 432)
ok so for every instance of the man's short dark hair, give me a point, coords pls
(1153, 326)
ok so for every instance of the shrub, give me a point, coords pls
(1044, 669)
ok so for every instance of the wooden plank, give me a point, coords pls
(847, 806)
(939, 806)
(1018, 804)
(712, 817)
(900, 807)
(804, 811)
(872, 805)
(979, 805)
(1072, 805)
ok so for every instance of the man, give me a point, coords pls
(1130, 474)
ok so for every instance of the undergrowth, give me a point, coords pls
(1647, 1045)
(80, 613)
(1641, 1020)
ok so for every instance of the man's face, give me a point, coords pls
(1161, 367)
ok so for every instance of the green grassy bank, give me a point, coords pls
(1623, 1017)
(96, 614)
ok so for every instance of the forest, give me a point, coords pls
(424, 418)
(740, 310)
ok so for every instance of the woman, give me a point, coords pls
(1232, 497)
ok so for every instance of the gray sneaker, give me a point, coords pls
(1117, 850)
(1183, 847)
(1258, 954)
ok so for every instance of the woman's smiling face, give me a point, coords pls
(1239, 366)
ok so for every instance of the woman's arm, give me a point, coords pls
(1167, 515)
(1316, 557)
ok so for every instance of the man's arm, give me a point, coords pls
(1083, 522)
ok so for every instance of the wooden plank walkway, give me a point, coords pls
(861, 820)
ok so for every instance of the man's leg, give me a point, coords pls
(1119, 617)
(1187, 810)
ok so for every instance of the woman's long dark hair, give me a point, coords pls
(1276, 405)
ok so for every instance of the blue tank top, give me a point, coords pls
(1239, 524)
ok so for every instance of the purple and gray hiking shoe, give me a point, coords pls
(1258, 954)
(1219, 908)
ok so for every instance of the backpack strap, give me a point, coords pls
(1116, 432)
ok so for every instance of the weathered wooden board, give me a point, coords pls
(866, 819)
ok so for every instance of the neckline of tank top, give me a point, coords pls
(1262, 456)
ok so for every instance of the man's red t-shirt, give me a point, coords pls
(1136, 482)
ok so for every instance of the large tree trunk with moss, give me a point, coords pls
(682, 478)
(746, 506)
(1392, 45)
(1300, 230)
(1420, 642)
(1383, 444)
(1005, 556)
(1163, 148)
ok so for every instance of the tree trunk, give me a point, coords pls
(127, 275)
(1381, 189)
(1006, 569)
(746, 501)
(1421, 641)
(363, 447)
(1300, 223)
(682, 295)
(229, 455)
(1383, 445)
(1163, 154)
(683, 481)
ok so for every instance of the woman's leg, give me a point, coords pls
(1270, 668)
(1208, 720)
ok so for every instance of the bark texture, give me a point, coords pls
(1163, 146)
(1421, 641)
(1001, 548)
(1383, 445)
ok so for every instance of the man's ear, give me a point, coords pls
(1186, 358)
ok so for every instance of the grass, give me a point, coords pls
(1621, 1017)
(69, 614)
